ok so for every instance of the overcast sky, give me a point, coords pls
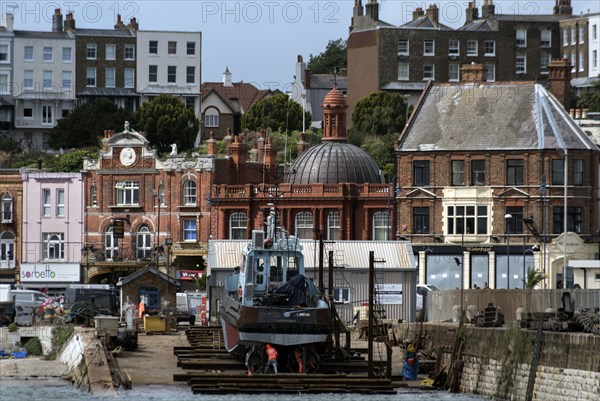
(258, 40)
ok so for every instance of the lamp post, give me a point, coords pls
(544, 206)
(507, 218)
(156, 194)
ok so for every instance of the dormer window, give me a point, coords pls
(7, 208)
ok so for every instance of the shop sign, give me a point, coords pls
(50, 272)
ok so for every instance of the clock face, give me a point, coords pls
(127, 156)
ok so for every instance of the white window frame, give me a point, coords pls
(128, 193)
(545, 59)
(453, 76)
(403, 75)
(581, 61)
(7, 208)
(94, 196)
(67, 80)
(47, 79)
(594, 32)
(521, 38)
(521, 67)
(581, 34)
(60, 202)
(172, 47)
(431, 72)
(46, 202)
(129, 78)
(565, 37)
(53, 246)
(594, 58)
(211, 118)
(573, 62)
(341, 295)
(238, 225)
(304, 225)
(573, 35)
(381, 226)
(402, 49)
(472, 48)
(143, 243)
(454, 215)
(192, 75)
(5, 53)
(47, 114)
(91, 51)
(7, 250)
(5, 84)
(129, 52)
(190, 232)
(190, 193)
(28, 54)
(334, 226)
(172, 72)
(111, 247)
(153, 49)
(28, 79)
(486, 53)
(188, 48)
(429, 47)
(47, 54)
(454, 47)
(67, 54)
(111, 51)
(153, 76)
(110, 77)
(90, 77)
(545, 38)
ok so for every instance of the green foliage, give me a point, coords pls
(166, 120)
(8, 144)
(85, 125)
(72, 162)
(272, 113)
(380, 113)
(33, 346)
(331, 61)
(12, 327)
(590, 99)
(534, 278)
(60, 336)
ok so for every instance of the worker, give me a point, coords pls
(271, 359)
(141, 309)
(410, 365)
(298, 356)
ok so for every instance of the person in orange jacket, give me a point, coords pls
(271, 358)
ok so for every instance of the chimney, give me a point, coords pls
(472, 13)
(8, 21)
(57, 21)
(133, 24)
(372, 10)
(211, 144)
(238, 151)
(69, 23)
(563, 7)
(260, 146)
(559, 75)
(307, 78)
(418, 13)
(300, 68)
(227, 78)
(227, 139)
(473, 73)
(270, 154)
(433, 13)
(302, 145)
(119, 25)
(488, 9)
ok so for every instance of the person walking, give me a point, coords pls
(271, 359)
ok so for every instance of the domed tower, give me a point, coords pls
(334, 160)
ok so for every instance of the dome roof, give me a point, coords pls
(333, 163)
(334, 99)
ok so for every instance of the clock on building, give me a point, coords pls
(127, 156)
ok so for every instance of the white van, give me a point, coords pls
(28, 298)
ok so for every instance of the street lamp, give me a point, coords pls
(462, 297)
(544, 206)
(507, 218)
(156, 194)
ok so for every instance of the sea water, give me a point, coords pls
(56, 389)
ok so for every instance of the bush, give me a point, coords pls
(60, 336)
(12, 327)
(33, 346)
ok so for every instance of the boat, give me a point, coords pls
(269, 299)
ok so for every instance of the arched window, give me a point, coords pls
(211, 117)
(189, 193)
(304, 225)
(150, 296)
(381, 226)
(144, 243)
(94, 196)
(7, 208)
(238, 223)
(333, 226)
(7, 250)
(111, 247)
(54, 246)
(161, 195)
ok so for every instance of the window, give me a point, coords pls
(565, 37)
(545, 38)
(47, 110)
(190, 74)
(129, 52)
(341, 295)
(46, 202)
(109, 78)
(111, 52)
(189, 193)
(128, 192)
(54, 247)
(90, 77)
(521, 38)
(453, 47)
(578, 172)
(27, 111)
(594, 32)
(477, 172)
(153, 47)
(581, 33)
(172, 47)
(403, 71)
(421, 173)
(573, 35)
(489, 48)
(190, 102)
(429, 47)
(152, 73)
(333, 226)
(47, 80)
(454, 72)
(381, 226)
(189, 229)
(191, 48)
(211, 118)
(558, 172)
(420, 220)
(544, 61)
(47, 54)
(161, 195)
(111, 245)
(574, 215)
(471, 48)
(151, 297)
(3, 53)
(4, 83)
(172, 74)
(581, 61)
(28, 79)
(238, 223)
(60, 202)
(428, 72)
(514, 172)
(595, 58)
(28, 53)
(304, 225)
(458, 172)
(7, 208)
(573, 62)
(66, 80)
(515, 225)
(67, 55)
(468, 219)
(7, 249)
(521, 63)
(90, 51)
(143, 243)
(129, 77)
(403, 47)
(94, 196)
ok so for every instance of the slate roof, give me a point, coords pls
(238, 97)
(481, 25)
(327, 81)
(425, 22)
(141, 272)
(113, 33)
(42, 35)
(107, 92)
(491, 116)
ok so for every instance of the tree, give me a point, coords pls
(166, 120)
(275, 112)
(380, 113)
(590, 99)
(72, 161)
(331, 61)
(85, 125)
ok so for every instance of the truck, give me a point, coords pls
(188, 305)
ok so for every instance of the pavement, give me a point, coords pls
(31, 367)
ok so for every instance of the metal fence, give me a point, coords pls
(440, 304)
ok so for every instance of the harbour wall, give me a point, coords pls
(497, 361)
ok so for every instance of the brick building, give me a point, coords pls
(11, 194)
(404, 58)
(482, 171)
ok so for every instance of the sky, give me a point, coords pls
(258, 41)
